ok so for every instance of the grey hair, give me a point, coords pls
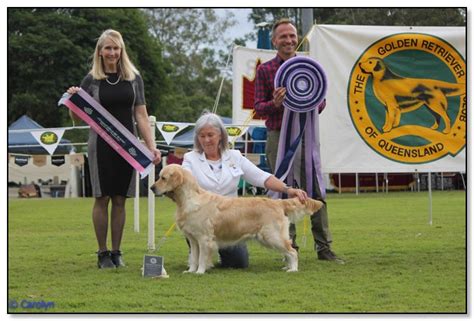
(211, 119)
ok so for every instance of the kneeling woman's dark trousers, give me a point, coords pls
(236, 257)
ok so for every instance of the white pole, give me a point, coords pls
(418, 182)
(430, 205)
(136, 204)
(83, 178)
(463, 182)
(246, 137)
(151, 196)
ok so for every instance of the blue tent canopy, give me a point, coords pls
(25, 143)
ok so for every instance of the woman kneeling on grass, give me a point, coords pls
(219, 170)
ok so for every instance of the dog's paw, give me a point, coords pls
(292, 270)
(200, 272)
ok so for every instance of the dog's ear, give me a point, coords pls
(378, 66)
(190, 181)
(177, 178)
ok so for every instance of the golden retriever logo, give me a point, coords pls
(233, 131)
(407, 98)
(169, 128)
(49, 138)
(402, 94)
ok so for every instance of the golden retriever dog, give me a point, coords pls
(401, 94)
(210, 221)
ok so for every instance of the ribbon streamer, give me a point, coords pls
(306, 86)
(111, 130)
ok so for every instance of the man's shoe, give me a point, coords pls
(329, 255)
(116, 257)
(104, 260)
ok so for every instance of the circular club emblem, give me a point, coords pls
(169, 128)
(407, 98)
(49, 138)
(305, 83)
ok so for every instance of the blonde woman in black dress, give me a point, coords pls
(115, 83)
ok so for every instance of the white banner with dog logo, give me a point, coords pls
(396, 98)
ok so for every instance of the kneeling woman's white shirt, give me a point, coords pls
(234, 167)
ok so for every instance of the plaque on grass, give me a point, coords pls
(153, 266)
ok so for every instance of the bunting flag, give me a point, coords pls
(58, 160)
(76, 159)
(306, 84)
(111, 130)
(21, 160)
(39, 160)
(169, 129)
(235, 131)
(48, 139)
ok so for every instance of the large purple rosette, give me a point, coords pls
(305, 82)
(306, 86)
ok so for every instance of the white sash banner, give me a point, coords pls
(49, 139)
(396, 99)
(169, 129)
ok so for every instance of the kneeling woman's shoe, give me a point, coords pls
(117, 258)
(104, 260)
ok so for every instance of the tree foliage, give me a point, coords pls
(181, 53)
(51, 49)
(366, 16)
(191, 38)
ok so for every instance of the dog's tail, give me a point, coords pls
(453, 89)
(295, 210)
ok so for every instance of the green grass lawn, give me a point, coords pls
(395, 262)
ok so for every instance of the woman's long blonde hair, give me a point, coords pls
(126, 70)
